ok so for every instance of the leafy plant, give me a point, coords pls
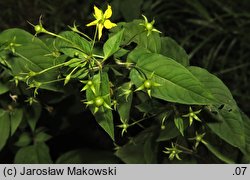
(136, 89)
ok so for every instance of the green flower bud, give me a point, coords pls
(99, 101)
(149, 26)
(39, 29)
(67, 79)
(147, 84)
(173, 152)
(192, 115)
(89, 83)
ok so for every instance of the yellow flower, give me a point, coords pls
(102, 20)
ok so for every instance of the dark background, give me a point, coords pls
(214, 33)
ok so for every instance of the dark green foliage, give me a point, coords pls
(135, 96)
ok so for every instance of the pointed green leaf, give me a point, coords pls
(42, 137)
(34, 154)
(230, 126)
(32, 114)
(31, 54)
(179, 124)
(121, 52)
(23, 140)
(134, 32)
(171, 49)
(112, 45)
(124, 102)
(3, 88)
(139, 150)
(177, 84)
(73, 45)
(151, 42)
(4, 127)
(246, 151)
(103, 116)
(16, 117)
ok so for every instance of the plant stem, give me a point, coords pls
(52, 81)
(93, 43)
(50, 68)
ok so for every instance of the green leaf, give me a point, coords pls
(32, 114)
(112, 45)
(170, 131)
(124, 102)
(73, 45)
(121, 52)
(171, 49)
(104, 116)
(3, 88)
(149, 105)
(217, 153)
(230, 126)
(80, 74)
(134, 32)
(151, 42)
(139, 150)
(177, 84)
(246, 122)
(23, 140)
(42, 137)
(16, 117)
(34, 154)
(4, 128)
(31, 54)
(179, 124)
(87, 156)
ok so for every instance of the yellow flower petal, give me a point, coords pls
(108, 12)
(92, 23)
(98, 13)
(108, 24)
(100, 27)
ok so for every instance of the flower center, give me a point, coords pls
(147, 84)
(99, 101)
(149, 26)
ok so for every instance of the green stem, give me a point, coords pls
(50, 68)
(184, 148)
(93, 43)
(85, 35)
(56, 35)
(74, 69)
(52, 81)
(140, 120)
(98, 56)
(26, 59)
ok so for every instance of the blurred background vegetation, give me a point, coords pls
(214, 33)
